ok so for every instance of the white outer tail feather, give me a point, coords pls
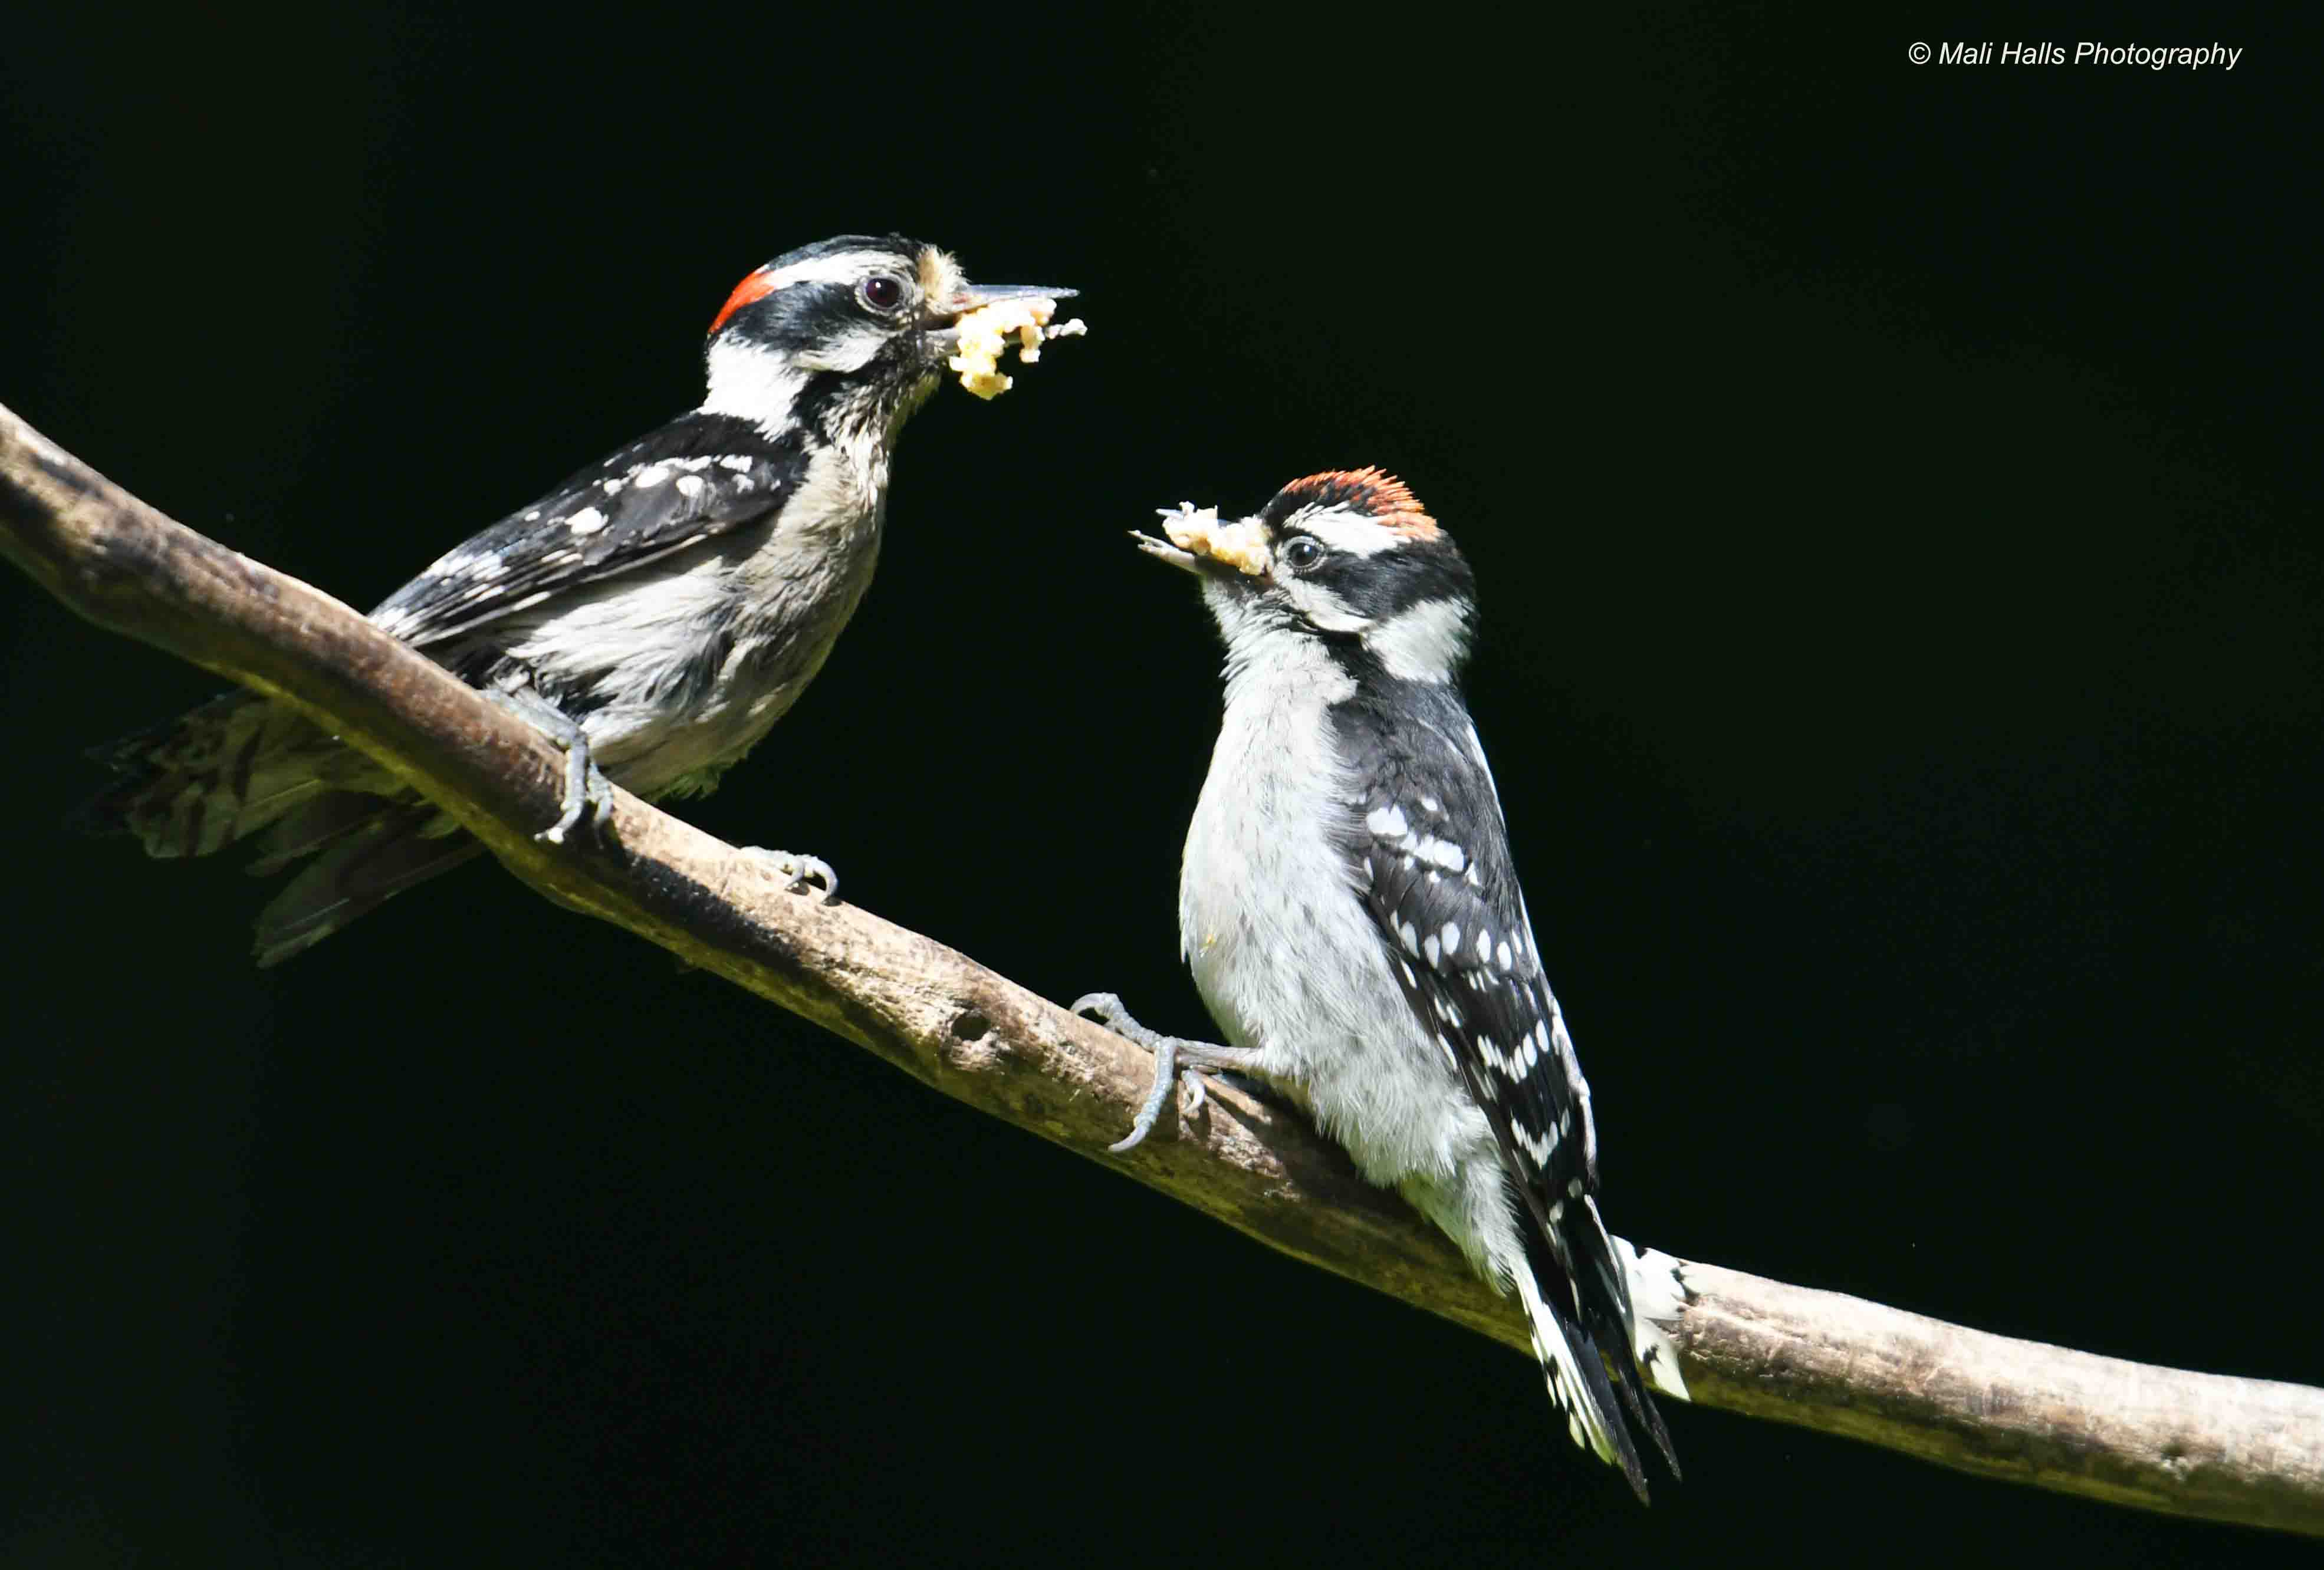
(1660, 1295)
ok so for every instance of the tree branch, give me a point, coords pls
(2205, 1446)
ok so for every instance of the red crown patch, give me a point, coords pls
(1376, 493)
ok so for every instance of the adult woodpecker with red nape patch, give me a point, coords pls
(1353, 918)
(656, 613)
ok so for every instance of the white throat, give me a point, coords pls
(1270, 661)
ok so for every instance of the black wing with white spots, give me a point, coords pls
(1437, 879)
(700, 476)
(1432, 862)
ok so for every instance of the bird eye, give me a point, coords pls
(1301, 553)
(882, 293)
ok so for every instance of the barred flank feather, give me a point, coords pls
(201, 782)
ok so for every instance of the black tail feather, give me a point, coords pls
(312, 827)
(1589, 1304)
(360, 869)
(1609, 1317)
(239, 767)
(195, 784)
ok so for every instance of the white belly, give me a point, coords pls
(681, 667)
(1299, 980)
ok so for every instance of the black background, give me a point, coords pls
(1894, 495)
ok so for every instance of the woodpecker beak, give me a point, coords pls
(1199, 542)
(1163, 551)
(975, 297)
(944, 328)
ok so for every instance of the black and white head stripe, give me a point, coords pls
(838, 269)
(1354, 558)
(837, 328)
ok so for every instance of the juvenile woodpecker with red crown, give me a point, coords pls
(656, 613)
(1353, 918)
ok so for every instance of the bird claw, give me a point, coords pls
(593, 799)
(800, 872)
(588, 793)
(1106, 1009)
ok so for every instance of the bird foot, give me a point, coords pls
(800, 873)
(1175, 1057)
(588, 793)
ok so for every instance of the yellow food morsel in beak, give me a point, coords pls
(1241, 546)
(983, 335)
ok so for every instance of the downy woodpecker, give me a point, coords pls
(1353, 923)
(656, 613)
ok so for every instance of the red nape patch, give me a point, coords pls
(755, 287)
(1376, 493)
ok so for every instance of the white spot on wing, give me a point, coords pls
(1532, 1143)
(588, 520)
